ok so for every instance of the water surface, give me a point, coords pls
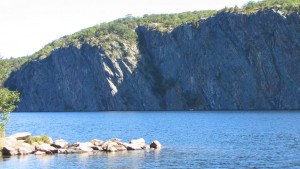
(191, 139)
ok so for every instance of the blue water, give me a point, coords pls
(191, 140)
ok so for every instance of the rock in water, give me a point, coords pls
(141, 142)
(133, 147)
(39, 153)
(47, 148)
(21, 136)
(10, 151)
(156, 145)
(111, 148)
(60, 143)
(97, 142)
(120, 147)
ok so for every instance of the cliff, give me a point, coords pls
(227, 62)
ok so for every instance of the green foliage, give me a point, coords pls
(38, 139)
(8, 99)
(286, 6)
(4, 70)
(122, 30)
(9, 65)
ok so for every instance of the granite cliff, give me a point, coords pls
(231, 61)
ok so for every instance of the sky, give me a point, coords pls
(28, 25)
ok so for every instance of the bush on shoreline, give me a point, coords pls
(38, 139)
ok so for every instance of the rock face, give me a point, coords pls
(229, 62)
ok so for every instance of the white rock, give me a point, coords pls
(24, 151)
(45, 148)
(133, 147)
(62, 151)
(111, 148)
(97, 142)
(85, 148)
(155, 144)
(120, 147)
(21, 136)
(39, 153)
(60, 143)
(141, 142)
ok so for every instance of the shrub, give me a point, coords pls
(38, 139)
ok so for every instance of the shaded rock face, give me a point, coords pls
(84, 79)
(229, 62)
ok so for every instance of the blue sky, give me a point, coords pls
(28, 25)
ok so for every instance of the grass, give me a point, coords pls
(38, 139)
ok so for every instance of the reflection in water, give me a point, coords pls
(44, 160)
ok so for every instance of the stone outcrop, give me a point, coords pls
(21, 136)
(13, 146)
(156, 144)
(227, 62)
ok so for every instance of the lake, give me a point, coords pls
(190, 139)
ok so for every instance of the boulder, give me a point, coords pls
(87, 144)
(60, 143)
(97, 148)
(111, 148)
(105, 146)
(50, 140)
(156, 145)
(24, 151)
(146, 147)
(21, 136)
(120, 147)
(47, 148)
(10, 141)
(133, 147)
(76, 144)
(39, 153)
(62, 151)
(10, 151)
(27, 146)
(97, 142)
(83, 148)
(116, 140)
(141, 142)
(71, 151)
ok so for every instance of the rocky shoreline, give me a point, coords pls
(24, 144)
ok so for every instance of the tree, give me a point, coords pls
(8, 100)
(4, 70)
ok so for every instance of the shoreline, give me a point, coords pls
(25, 144)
